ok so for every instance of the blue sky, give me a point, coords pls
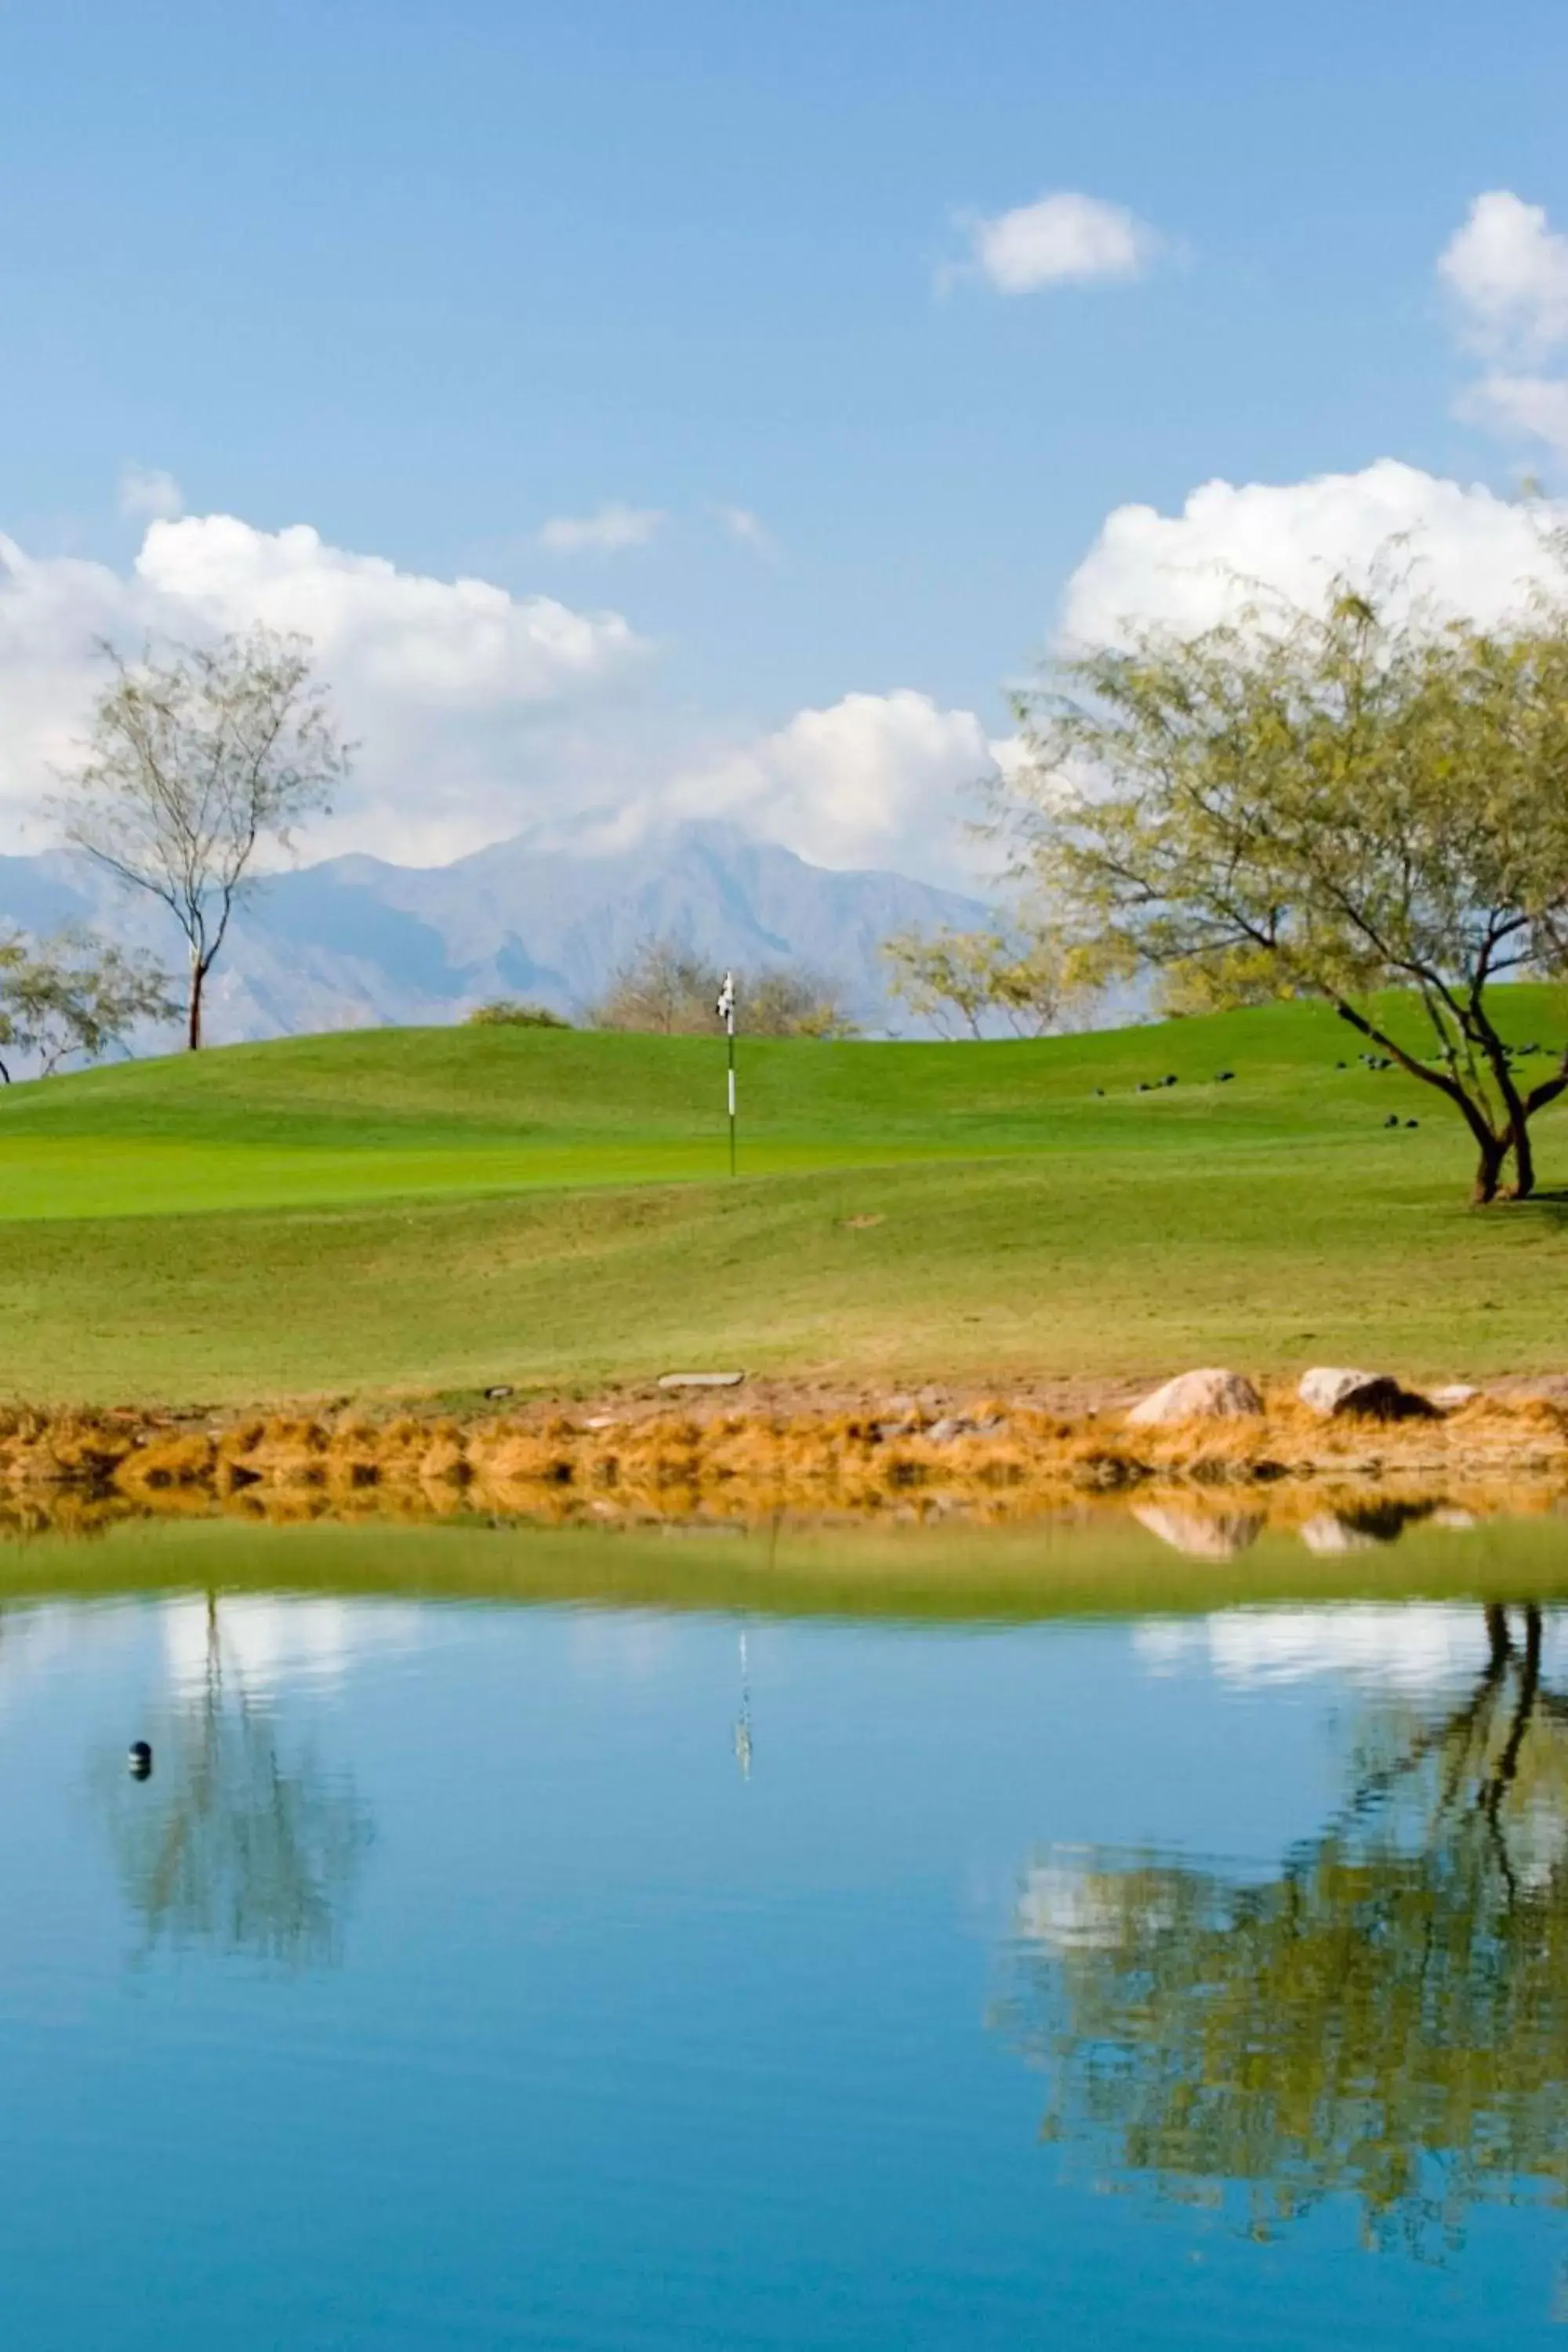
(425, 276)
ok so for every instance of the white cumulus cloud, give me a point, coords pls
(1520, 408)
(450, 643)
(1061, 239)
(1475, 552)
(1507, 270)
(456, 691)
(605, 532)
(872, 780)
(478, 713)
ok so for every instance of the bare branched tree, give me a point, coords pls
(665, 987)
(196, 763)
(662, 988)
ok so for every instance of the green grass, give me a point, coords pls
(396, 1210)
(1109, 1567)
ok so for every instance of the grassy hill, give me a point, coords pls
(438, 1209)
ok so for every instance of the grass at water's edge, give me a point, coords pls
(1094, 1566)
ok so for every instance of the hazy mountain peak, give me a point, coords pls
(354, 942)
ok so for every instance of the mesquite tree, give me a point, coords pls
(196, 762)
(1364, 797)
(1033, 974)
(74, 994)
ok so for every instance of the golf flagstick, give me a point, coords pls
(725, 1009)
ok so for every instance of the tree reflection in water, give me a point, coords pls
(1388, 2016)
(230, 1845)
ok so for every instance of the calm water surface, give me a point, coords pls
(483, 1975)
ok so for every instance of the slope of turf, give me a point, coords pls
(438, 1209)
(371, 1114)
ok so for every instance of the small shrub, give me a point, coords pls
(511, 1013)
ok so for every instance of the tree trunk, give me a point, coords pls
(1523, 1184)
(1529, 1685)
(1488, 1171)
(193, 1026)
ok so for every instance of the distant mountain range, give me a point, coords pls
(354, 943)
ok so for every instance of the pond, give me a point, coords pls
(781, 1940)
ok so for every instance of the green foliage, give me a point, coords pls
(1230, 979)
(512, 1013)
(1360, 796)
(75, 995)
(1035, 977)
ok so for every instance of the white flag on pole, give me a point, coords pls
(725, 1008)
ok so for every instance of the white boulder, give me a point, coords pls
(1209, 1395)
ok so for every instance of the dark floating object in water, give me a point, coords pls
(1412, 1122)
(1100, 1094)
(1392, 1120)
(1142, 1087)
(1224, 1077)
(139, 1760)
(1170, 1082)
(1341, 1066)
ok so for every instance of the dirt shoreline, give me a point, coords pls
(802, 1449)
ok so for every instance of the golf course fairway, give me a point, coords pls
(404, 1213)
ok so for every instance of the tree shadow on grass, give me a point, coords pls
(1549, 1204)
